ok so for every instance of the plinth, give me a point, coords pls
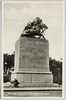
(32, 62)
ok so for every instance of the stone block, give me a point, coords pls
(35, 78)
(32, 62)
(31, 52)
(27, 78)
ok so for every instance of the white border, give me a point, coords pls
(63, 45)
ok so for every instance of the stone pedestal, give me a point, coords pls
(32, 62)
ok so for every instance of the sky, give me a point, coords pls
(17, 15)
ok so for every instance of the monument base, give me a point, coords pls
(33, 79)
(32, 63)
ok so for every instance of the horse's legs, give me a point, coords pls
(42, 36)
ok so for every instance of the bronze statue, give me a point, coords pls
(34, 28)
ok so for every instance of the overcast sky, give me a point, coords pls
(17, 15)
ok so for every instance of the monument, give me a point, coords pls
(32, 57)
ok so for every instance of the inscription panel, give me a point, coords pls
(34, 53)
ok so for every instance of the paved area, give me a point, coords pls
(33, 88)
(11, 91)
(9, 86)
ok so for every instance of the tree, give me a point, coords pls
(8, 61)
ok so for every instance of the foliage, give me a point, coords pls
(8, 60)
(55, 66)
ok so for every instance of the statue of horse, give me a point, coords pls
(35, 28)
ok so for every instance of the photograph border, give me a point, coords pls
(2, 49)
